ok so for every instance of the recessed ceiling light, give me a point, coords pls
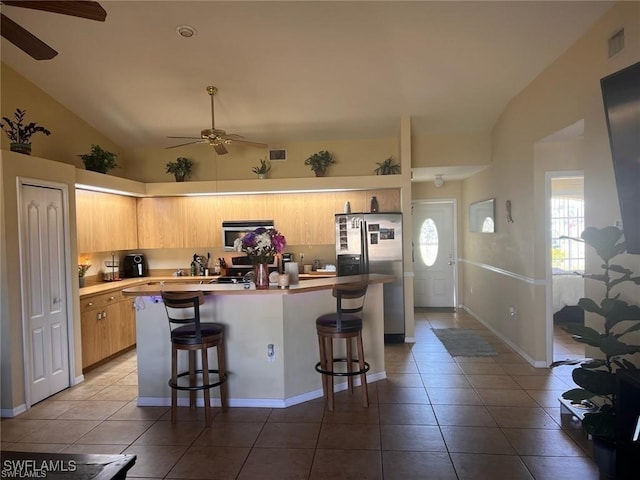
(186, 31)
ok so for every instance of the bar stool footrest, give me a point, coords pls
(197, 387)
(343, 374)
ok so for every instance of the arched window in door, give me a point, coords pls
(428, 242)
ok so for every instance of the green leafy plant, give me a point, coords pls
(181, 168)
(18, 132)
(319, 162)
(387, 167)
(263, 168)
(596, 377)
(99, 160)
(82, 269)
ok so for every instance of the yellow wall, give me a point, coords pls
(568, 91)
(353, 157)
(70, 135)
(456, 149)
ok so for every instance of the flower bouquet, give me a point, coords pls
(261, 246)
(82, 270)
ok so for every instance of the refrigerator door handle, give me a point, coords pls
(364, 247)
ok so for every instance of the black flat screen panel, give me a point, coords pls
(621, 97)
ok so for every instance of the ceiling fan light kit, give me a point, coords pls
(216, 137)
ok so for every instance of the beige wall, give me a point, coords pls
(70, 135)
(458, 149)
(353, 157)
(568, 91)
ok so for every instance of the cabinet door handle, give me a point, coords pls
(104, 315)
(99, 315)
(112, 298)
(90, 304)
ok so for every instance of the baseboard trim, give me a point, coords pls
(256, 402)
(534, 363)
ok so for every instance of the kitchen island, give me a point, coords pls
(254, 320)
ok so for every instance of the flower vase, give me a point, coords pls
(81, 282)
(262, 276)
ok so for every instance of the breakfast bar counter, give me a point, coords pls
(254, 320)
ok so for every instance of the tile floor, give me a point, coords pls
(564, 347)
(434, 417)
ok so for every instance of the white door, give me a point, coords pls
(434, 254)
(43, 266)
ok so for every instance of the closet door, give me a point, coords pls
(43, 267)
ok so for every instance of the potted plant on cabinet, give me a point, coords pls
(262, 169)
(596, 378)
(181, 168)
(319, 162)
(19, 134)
(387, 167)
(99, 160)
(82, 271)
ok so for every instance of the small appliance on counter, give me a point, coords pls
(135, 265)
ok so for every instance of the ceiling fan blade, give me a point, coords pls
(184, 144)
(220, 149)
(82, 9)
(24, 40)
(233, 136)
(192, 138)
(251, 144)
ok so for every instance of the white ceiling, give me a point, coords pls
(291, 71)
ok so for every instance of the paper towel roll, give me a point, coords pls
(292, 269)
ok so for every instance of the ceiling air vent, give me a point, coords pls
(616, 42)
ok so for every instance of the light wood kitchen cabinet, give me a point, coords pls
(107, 326)
(105, 222)
(303, 218)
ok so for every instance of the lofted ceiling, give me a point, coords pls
(296, 71)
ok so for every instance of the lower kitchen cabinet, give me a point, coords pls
(108, 326)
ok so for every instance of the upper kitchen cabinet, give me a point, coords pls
(105, 222)
(180, 222)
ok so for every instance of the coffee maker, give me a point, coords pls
(286, 258)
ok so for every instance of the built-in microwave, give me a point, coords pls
(232, 230)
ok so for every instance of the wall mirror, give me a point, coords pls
(482, 216)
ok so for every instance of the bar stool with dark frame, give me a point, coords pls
(190, 334)
(345, 323)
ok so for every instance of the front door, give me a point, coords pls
(434, 254)
(43, 267)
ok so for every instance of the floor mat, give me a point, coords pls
(461, 342)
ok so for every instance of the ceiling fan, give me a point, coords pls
(214, 136)
(31, 44)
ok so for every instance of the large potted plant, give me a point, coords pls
(596, 378)
(99, 160)
(20, 134)
(181, 169)
(319, 162)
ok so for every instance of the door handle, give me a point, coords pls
(451, 262)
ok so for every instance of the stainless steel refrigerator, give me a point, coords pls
(372, 243)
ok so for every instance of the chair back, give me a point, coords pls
(350, 299)
(183, 309)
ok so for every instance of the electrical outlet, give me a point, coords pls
(271, 353)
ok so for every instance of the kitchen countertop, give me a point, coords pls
(156, 287)
(106, 287)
